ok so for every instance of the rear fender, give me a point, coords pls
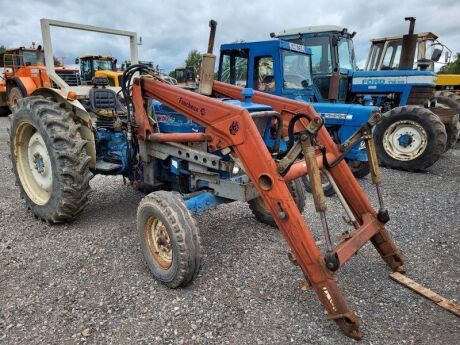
(80, 115)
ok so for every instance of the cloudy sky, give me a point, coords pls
(170, 29)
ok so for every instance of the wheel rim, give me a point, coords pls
(159, 242)
(405, 140)
(33, 164)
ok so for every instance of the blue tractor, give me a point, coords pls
(284, 69)
(414, 131)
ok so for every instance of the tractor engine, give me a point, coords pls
(112, 144)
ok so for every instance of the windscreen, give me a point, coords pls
(296, 70)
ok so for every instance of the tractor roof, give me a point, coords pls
(21, 48)
(310, 30)
(100, 57)
(421, 35)
(276, 43)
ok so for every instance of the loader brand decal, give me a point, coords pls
(336, 116)
(296, 47)
(234, 128)
(194, 108)
(413, 79)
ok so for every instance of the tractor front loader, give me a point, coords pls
(216, 146)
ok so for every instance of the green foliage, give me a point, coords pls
(193, 60)
(2, 50)
(57, 62)
(452, 67)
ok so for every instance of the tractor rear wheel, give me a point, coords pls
(49, 159)
(262, 213)
(169, 238)
(14, 95)
(358, 168)
(409, 138)
(450, 100)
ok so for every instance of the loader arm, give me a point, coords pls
(231, 127)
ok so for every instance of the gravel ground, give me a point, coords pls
(86, 282)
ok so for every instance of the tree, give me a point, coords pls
(2, 51)
(57, 62)
(193, 60)
(452, 67)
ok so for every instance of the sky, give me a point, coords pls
(170, 29)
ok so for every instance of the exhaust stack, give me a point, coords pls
(208, 63)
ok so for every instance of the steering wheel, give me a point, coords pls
(293, 78)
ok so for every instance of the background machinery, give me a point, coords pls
(284, 68)
(24, 71)
(99, 66)
(185, 77)
(228, 145)
(385, 54)
(412, 135)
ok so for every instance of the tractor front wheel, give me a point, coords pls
(446, 99)
(169, 238)
(409, 138)
(262, 213)
(49, 159)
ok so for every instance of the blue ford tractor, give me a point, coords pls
(284, 69)
(414, 131)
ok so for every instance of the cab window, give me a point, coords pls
(345, 58)
(86, 72)
(392, 55)
(375, 57)
(321, 54)
(264, 78)
(296, 70)
(234, 67)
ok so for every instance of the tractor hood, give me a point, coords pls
(390, 81)
(341, 114)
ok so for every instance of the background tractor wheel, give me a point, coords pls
(409, 138)
(261, 211)
(358, 168)
(450, 100)
(169, 237)
(327, 187)
(4, 111)
(14, 95)
(49, 159)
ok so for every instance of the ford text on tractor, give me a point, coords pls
(197, 150)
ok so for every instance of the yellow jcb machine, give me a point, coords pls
(99, 66)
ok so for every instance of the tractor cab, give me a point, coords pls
(98, 66)
(332, 57)
(275, 66)
(284, 69)
(21, 57)
(185, 77)
(385, 52)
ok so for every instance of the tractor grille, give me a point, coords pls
(419, 94)
(72, 78)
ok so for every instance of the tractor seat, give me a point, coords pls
(102, 98)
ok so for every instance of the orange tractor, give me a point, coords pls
(23, 71)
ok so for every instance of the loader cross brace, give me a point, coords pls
(231, 127)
